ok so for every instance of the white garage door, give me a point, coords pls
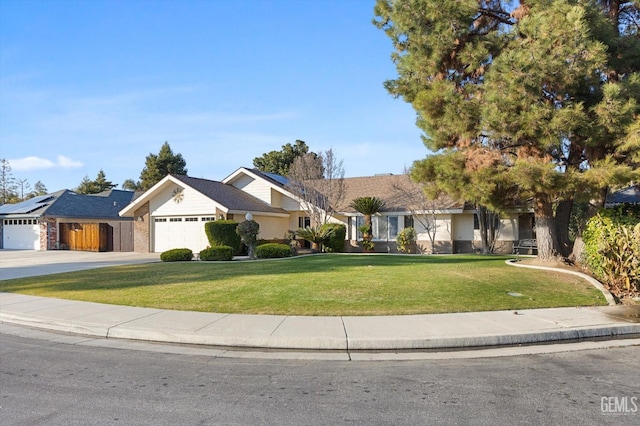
(179, 232)
(21, 234)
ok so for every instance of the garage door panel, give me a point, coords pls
(21, 237)
(170, 234)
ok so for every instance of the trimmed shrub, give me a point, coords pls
(223, 233)
(248, 231)
(273, 250)
(217, 253)
(176, 255)
(335, 235)
(612, 249)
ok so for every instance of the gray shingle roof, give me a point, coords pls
(65, 203)
(228, 195)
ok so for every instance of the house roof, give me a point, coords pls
(629, 195)
(397, 191)
(65, 203)
(228, 195)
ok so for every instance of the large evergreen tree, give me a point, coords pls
(279, 162)
(158, 166)
(100, 184)
(536, 100)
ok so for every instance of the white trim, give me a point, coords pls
(243, 170)
(130, 209)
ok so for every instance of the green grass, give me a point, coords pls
(321, 285)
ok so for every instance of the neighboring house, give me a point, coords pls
(628, 195)
(69, 221)
(173, 212)
(442, 225)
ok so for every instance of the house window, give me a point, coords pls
(208, 219)
(385, 227)
(393, 227)
(175, 219)
(476, 222)
(159, 219)
(408, 222)
(190, 219)
(304, 222)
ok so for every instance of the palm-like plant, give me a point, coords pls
(368, 206)
(316, 236)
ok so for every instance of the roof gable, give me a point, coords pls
(226, 195)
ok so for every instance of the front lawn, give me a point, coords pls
(321, 285)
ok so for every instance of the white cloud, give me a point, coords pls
(38, 163)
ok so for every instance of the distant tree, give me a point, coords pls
(100, 184)
(22, 186)
(158, 166)
(38, 189)
(279, 162)
(131, 185)
(8, 187)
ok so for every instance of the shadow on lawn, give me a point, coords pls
(155, 274)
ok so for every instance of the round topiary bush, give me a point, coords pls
(176, 255)
(217, 253)
(273, 250)
(223, 233)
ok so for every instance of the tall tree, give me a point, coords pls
(279, 162)
(538, 98)
(100, 184)
(8, 185)
(158, 166)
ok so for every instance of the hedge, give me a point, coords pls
(223, 233)
(176, 255)
(217, 253)
(273, 250)
(336, 232)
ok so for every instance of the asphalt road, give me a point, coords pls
(45, 382)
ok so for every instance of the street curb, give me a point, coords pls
(597, 284)
(346, 344)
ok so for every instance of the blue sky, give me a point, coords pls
(100, 84)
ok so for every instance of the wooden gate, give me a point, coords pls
(84, 236)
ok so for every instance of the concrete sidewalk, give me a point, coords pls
(346, 333)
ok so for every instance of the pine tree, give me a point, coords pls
(158, 166)
(540, 101)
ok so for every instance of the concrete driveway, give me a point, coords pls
(27, 263)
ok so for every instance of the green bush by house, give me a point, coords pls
(223, 233)
(176, 255)
(336, 233)
(612, 249)
(407, 240)
(217, 253)
(273, 250)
